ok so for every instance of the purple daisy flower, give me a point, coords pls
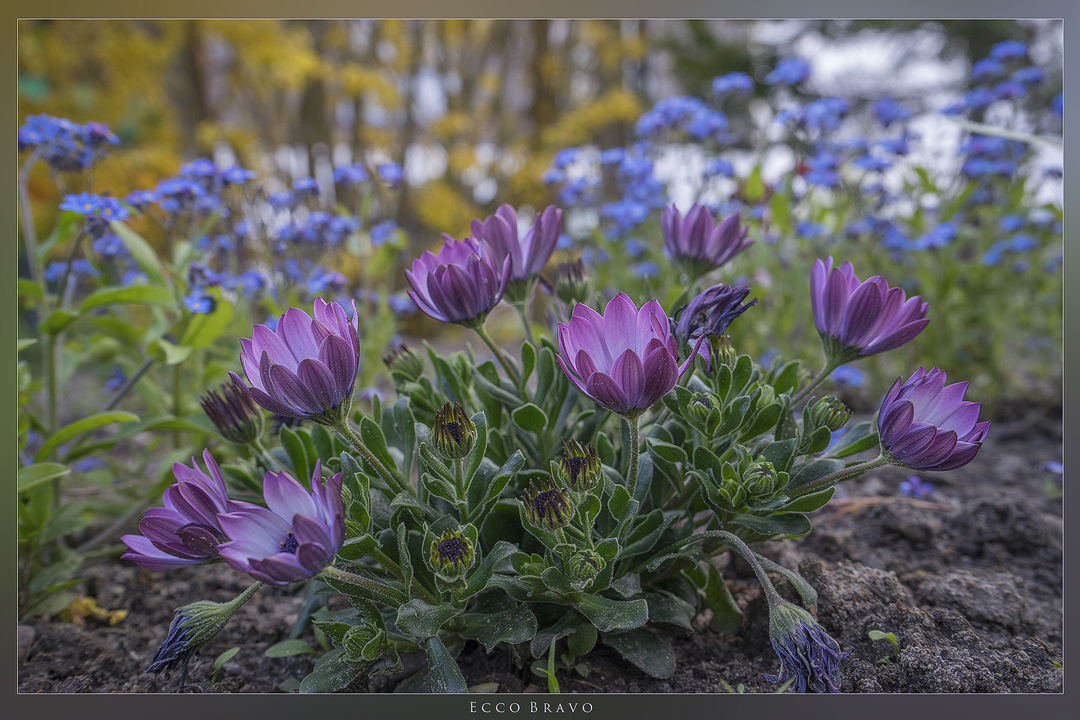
(625, 359)
(857, 318)
(460, 284)
(529, 254)
(697, 243)
(294, 537)
(926, 425)
(186, 531)
(306, 368)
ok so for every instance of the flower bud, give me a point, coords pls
(405, 364)
(702, 406)
(580, 467)
(723, 352)
(586, 565)
(807, 654)
(760, 478)
(452, 555)
(234, 413)
(363, 643)
(828, 412)
(454, 433)
(572, 284)
(548, 508)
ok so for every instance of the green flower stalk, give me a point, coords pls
(454, 433)
(548, 507)
(193, 626)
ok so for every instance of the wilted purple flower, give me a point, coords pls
(625, 359)
(294, 537)
(698, 245)
(186, 531)
(808, 656)
(861, 318)
(710, 313)
(925, 425)
(460, 284)
(306, 368)
(529, 254)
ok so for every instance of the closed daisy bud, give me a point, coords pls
(572, 283)
(580, 466)
(454, 433)
(828, 412)
(363, 644)
(405, 364)
(452, 555)
(549, 507)
(702, 406)
(234, 413)
(586, 565)
(761, 478)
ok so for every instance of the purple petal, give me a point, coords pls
(629, 373)
(606, 391)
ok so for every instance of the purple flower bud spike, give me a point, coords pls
(306, 368)
(857, 318)
(294, 537)
(186, 531)
(697, 244)
(625, 359)
(925, 424)
(461, 284)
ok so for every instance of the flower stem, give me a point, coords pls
(522, 309)
(462, 494)
(129, 383)
(839, 476)
(635, 450)
(825, 371)
(734, 541)
(507, 367)
(395, 569)
(391, 478)
(243, 597)
(333, 573)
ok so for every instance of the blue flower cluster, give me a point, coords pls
(679, 113)
(66, 145)
(1001, 76)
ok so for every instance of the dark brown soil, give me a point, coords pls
(969, 580)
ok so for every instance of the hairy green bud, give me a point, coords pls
(548, 507)
(452, 555)
(363, 643)
(828, 412)
(572, 283)
(586, 565)
(580, 467)
(454, 433)
(405, 364)
(760, 479)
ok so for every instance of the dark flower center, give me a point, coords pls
(455, 431)
(575, 464)
(452, 550)
(289, 544)
(548, 501)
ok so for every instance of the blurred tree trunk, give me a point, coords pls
(313, 126)
(187, 90)
(405, 217)
(545, 91)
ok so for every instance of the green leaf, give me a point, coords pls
(141, 252)
(204, 328)
(805, 589)
(781, 454)
(135, 294)
(858, 439)
(879, 635)
(373, 437)
(608, 615)
(811, 502)
(225, 657)
(26, 342)
(80, 427)
(651, 652)
(542, 640)
(515, 625)
(479, 577)
(331, 673)
(530, 417)
(444, 676)
(582, 640)
(38, 473)
(666, 451)
(30, 289)
(288, 648)
(528, 361)
(814, 470)
(667, 607)
(58, 320)
(420, 619)
(294, 448)
(727, 617)
(476, 455)
(173, 354)
(786, 525)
